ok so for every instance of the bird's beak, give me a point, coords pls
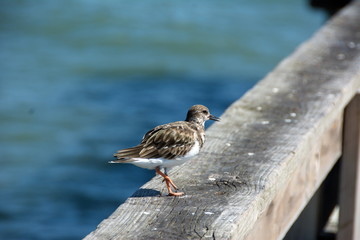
(212, 117)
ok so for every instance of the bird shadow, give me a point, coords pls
(145, 192)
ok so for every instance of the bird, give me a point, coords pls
(169, 145)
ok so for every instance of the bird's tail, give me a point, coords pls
(126, 155)
(124, 160)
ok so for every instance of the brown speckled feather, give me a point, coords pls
(165, 141)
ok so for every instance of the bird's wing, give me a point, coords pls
(167, 141)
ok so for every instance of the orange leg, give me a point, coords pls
(169, 183)
(167, 178)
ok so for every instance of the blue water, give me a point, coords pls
(81, 79)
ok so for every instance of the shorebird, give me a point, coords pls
(169, 145)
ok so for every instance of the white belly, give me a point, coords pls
(152, 163)
(194, 150)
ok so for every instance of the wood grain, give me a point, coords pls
(264, 160)
(349, 220)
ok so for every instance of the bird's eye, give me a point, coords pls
(206, 112)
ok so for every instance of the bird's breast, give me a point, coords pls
(195, 149)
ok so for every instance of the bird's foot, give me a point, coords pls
(176, 194)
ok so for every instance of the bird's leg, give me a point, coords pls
(171, 193)
(169, 183)
(167, 178)
(165, 172)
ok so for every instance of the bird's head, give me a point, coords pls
(200, 114)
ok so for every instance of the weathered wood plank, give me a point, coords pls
(316, 162)
(265, 158)
(349, 220)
